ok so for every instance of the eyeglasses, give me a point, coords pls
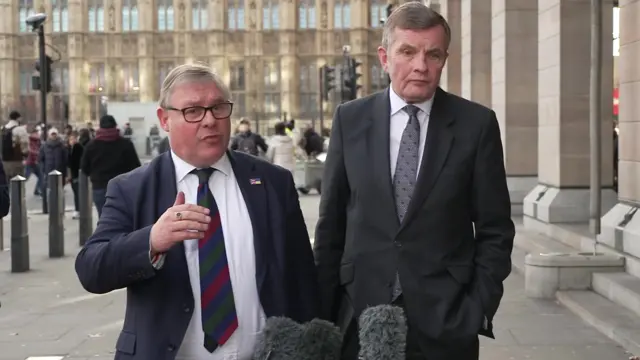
(194, 114)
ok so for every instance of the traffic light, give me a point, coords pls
(351, 80)
(328, 81)
(47, 74)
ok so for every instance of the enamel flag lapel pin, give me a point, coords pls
(255, 181)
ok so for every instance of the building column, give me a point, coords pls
(217, 59)
(146, 62)
(289, 63)
(476, 50)
(621, 225)
(514, 94)
(79, 107)
(9, 72)
(451, 75)
(562, 193)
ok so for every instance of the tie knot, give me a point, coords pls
(203, 174)
(411, 110)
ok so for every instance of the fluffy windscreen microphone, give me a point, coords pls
(284, 339)
(383, 333)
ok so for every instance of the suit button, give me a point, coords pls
(398, 244)
(171, 348)
(187, 309)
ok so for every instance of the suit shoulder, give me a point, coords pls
(356, 106)
(265, 167)
(133, 179)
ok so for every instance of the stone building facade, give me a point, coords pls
(269, 51)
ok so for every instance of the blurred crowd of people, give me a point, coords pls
(37, 150)
(287, 145)
(107, 152)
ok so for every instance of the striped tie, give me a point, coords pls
(219, 319)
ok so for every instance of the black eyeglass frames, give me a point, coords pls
(195, 114)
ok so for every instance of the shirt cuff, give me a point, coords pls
(157, 260)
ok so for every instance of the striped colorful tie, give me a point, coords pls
(219, 319)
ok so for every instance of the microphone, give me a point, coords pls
(285, 339)
(383, 333)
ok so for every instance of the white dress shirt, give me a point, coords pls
(238, 240)
(399, 120)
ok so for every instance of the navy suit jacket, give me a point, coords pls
(160, 302)
(4, 192)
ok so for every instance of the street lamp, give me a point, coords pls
(36, 22)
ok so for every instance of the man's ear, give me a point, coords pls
(163, 118)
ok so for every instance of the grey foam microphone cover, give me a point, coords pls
(284, 339)
(382, 333)
(280, 334)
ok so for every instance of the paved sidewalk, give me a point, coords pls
(46, 313)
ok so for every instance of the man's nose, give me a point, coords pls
(420, 63)
(208, 119)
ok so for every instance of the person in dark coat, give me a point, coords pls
(107, 156)
(76, 148)
(53, 155)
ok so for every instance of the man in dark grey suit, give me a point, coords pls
(415, 209)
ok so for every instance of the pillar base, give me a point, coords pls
(559, 205)
(519, 187)
(620, 229)
(547, 273)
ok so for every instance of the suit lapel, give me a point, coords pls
(379, 150)
(436, 150)
(164, 190)
(253, 187)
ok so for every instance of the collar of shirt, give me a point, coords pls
(183, 168)
(397, 103)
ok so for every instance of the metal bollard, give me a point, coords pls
(86, 208)
(56, 215)
(19, 227)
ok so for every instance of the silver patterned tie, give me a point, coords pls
(404, 178)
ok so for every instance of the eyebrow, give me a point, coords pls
(215, 101)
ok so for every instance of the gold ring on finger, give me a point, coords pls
(179, 215)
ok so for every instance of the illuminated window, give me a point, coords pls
(199, 14)
(307, 14)
(163, 70)
(129, 15)
(308, 88)
(271, 72)
(270, 16)
(341, 14)
(25, 9)
(235, 14)
(96, 15)
(165, 15)
(377, 12)
(238, 87)
(60, 15)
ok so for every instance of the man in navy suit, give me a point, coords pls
(208, 243)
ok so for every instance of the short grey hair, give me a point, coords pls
(186, 73)
(413, 15)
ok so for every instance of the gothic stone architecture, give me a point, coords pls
(268, 51)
